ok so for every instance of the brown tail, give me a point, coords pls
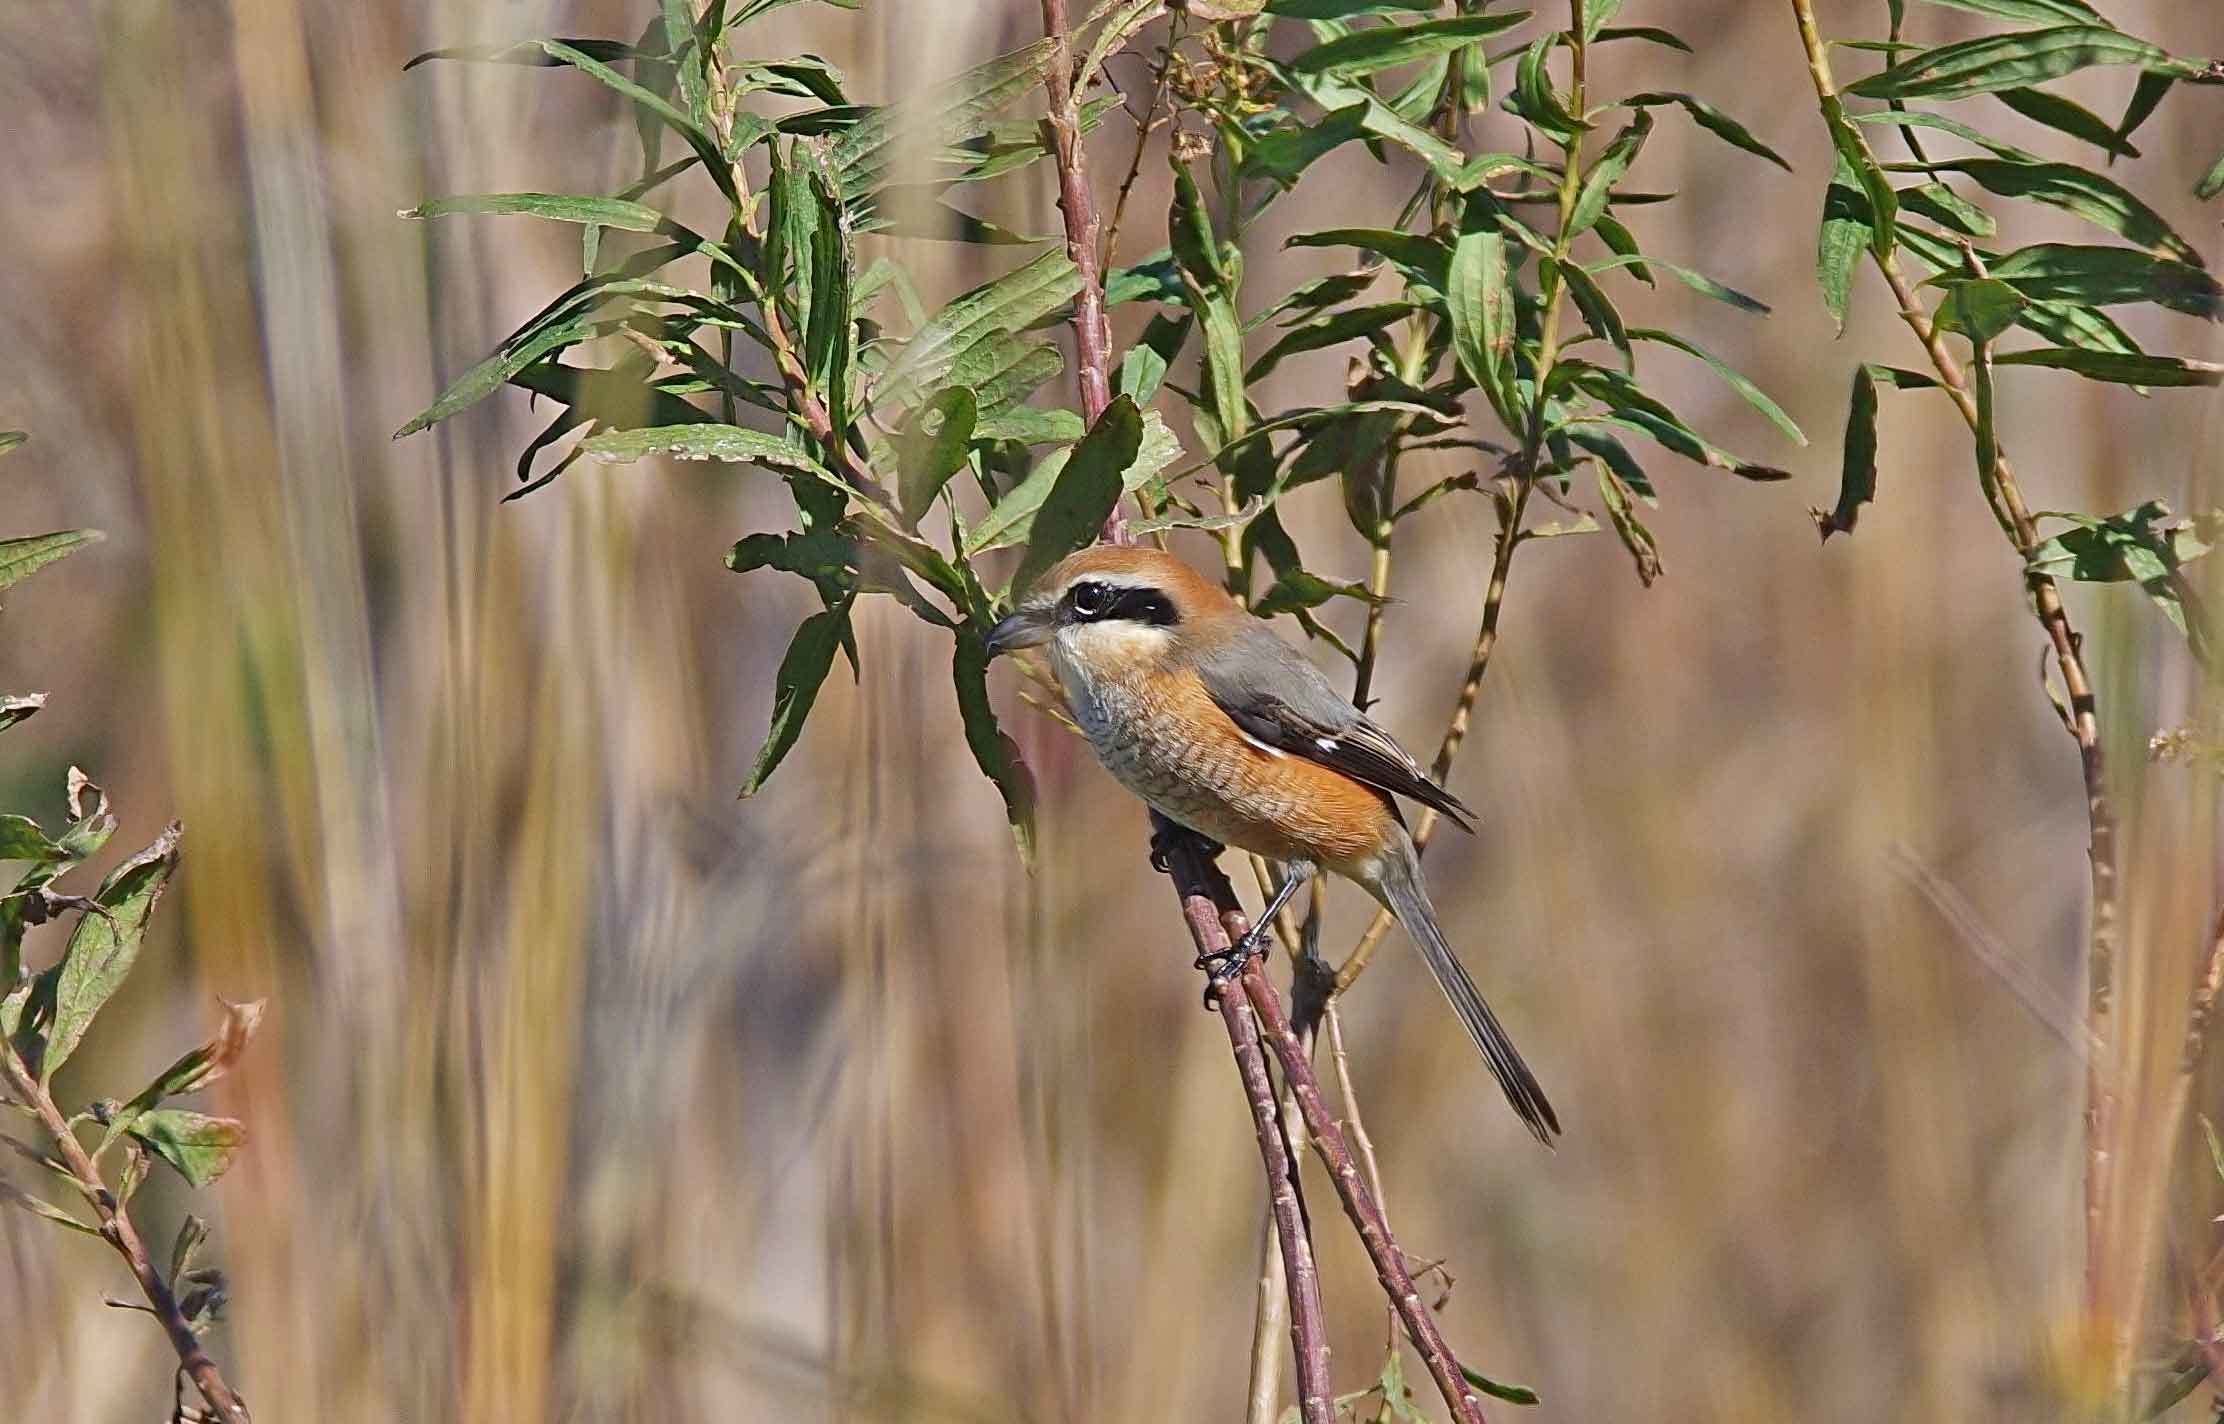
(1401, 889)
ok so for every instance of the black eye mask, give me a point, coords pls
(1094, 602)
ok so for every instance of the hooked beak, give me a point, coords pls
(1024, 629)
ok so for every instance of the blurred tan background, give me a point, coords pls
(590, 1093)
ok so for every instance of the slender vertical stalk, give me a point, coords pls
(2083, 719)
(1091, 332)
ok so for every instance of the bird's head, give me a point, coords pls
(1111, 606)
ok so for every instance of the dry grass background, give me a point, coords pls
(588, 1093)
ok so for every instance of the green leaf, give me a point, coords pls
(809, 657)
(1922, 119)
(2012, 61)
(1534, 97)
(202, 1066)
(2109, 276)
(1387, 46)
(1012, 518)
(1481, 300)
(1420, 257)
(1591, 300)
(103, 947)
(1287, 152)
(994, 752)
(1980, 308)
(16, 1197)
(706, 441)
(1714, 121)
(2143, 546)
(199, 1146)
(9, 439)
(2072, 12)
(1621, 511)
(1876, 185)
(2098, 200)
(1948, 209)
(513, 357)
(1143, 367)
(945, 116)
(1511, 1393)
(556, 207)
(931, 448)
(21, 558)
(1698, 282)
(1598, 184)
(985, 317)
(2067, 116)
(21, 839)
(1857, 481)
(1345, 9)
(818, 554)
(2117, 367)
(1331, 329)
(2212, 182)
(1752, 394)
(1085, 493)
(1299, 590)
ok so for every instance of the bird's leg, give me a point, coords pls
(1223, 965)
(1166, 834)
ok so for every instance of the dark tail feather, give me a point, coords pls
(1402, 891)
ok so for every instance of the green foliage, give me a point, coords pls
(2055, 291)
(915, 443)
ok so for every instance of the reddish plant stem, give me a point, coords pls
(1214, 915)
(1092, 334)
(116, 1228)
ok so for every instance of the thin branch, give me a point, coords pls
(2204, 1003)
(1359, 1203)
(1161, 84)
(2084, 718)
(1214, 916)
(116, 1228)
(1092, 334)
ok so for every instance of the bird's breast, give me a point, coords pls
(1163, 738)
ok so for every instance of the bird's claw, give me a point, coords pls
(1224, 966)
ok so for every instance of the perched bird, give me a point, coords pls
(1198, 708)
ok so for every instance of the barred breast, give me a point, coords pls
(1164, 740)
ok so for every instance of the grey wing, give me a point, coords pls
(1277, 698)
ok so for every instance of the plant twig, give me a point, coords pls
(1214, 916)
(1092, 334)
(2084, 716)
(116, 1228)
(1359, 1203)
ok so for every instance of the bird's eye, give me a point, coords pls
(1090, 599)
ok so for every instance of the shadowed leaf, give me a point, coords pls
(1085, 493)
(1857, 481)
(796, 687)
(996, 753)
(103, 947)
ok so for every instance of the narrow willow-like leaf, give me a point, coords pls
(993, 750)
(103, 947)
(1482, 311)
(21, 839)
(15, 709)
(2098, 200)
(556, 207)
(703, 442)
(1331, 329)
(1012, 518)
(1143, 367)
(1612, 163)
(1416, 254)
(1288, 152)
(21, 558)
(2067, 116)
(951, 113)
(1651, 34)
(1923, 119)
(1621, 511)
(989, 313)
(2067, 12)
(1857, 478)
(1345, 9)
(1752, 394)
(2117, 368)
(1948, 209)
(1387, 46)
(1534, 97)
(2013, 61)
(9, 439)
(1085, 493)
(1698, 282)
(2212, 182)
(1598, 311)
(1981, 309)
(2109, 276)
(1875, 184)
(931, 448)
(1714, 121)
(803, 669)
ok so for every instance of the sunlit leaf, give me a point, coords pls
(1387, 46)
(2067, 116)
(21, 558)
(2109, 276)
(199, 1146)
(1714, 121)
(2118, 368)
(2012, 61)
(556, 207)
(931, 448)
(2096, 199)
(1752, 394)
(103, 946)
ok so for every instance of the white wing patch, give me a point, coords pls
(1276, 752)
